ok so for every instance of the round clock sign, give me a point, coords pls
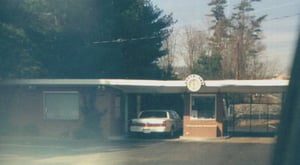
(194, 82)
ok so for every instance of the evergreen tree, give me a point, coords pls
(245, 46)
(219, 38)
(144, 29)
(208, 67)
(16, 48)
(236, 40)
(81, 38)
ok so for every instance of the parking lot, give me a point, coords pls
(234, 151)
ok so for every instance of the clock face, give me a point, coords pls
(194, 82)
(194, 85)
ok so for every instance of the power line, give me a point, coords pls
(121, 40)
(283, 17)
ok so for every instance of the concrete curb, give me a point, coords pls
(227, 139)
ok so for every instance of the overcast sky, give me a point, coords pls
(280, 28)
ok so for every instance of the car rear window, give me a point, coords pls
(149, 114)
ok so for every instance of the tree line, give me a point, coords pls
(125, 39)
(81, 38)
(231, 48)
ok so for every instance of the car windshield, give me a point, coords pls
(89, 81)
(153, 114)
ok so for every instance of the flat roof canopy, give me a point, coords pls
(161, 86)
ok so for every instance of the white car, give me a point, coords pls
(157, 121)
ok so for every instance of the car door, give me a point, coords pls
(176, 119)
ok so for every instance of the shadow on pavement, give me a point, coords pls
(44, 146)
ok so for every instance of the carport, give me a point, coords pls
(213, 121)
(226, 119)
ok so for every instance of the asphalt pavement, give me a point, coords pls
(136, 151)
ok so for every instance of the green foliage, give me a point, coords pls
(81, 38)
(245, 37)
(145, 28)
(168, 73)
(91, 117)
(217, 9)
(209, 66)
(16, 48)
(236, 39)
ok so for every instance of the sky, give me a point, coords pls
(280, 28)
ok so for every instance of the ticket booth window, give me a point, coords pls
(203, 106)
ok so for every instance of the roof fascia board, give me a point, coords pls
(83, 82)
(172, 86)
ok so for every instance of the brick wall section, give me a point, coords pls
(22, 113)
(25, 114)
(204, 127)
(111, 120)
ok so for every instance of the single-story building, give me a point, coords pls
(60, 107)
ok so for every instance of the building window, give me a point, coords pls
(61, 105)
(203, 106)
